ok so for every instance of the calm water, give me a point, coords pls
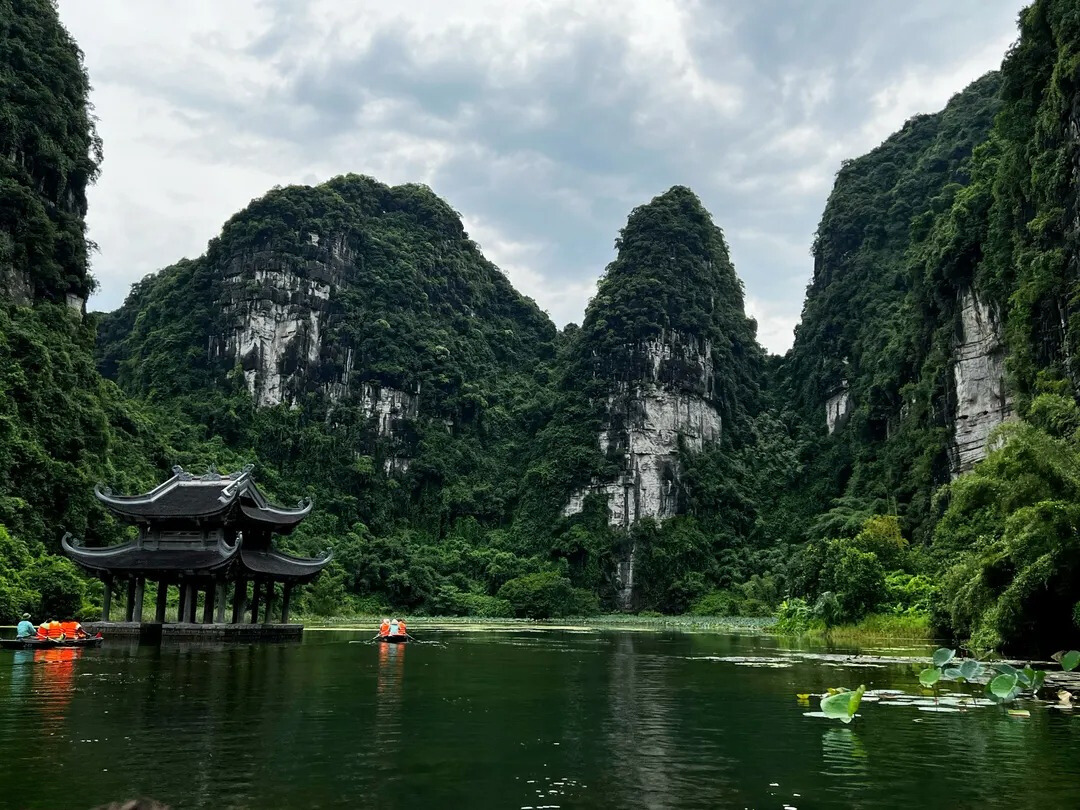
(509, 719)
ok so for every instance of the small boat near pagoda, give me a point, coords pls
(49, 643)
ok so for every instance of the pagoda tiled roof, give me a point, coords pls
(186, 496)
(277, 565)
(131, 557)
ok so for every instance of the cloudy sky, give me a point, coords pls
(542, 121)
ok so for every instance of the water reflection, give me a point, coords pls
(389, 700)
(47, 679)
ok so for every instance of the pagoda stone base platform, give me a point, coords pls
(153, 633)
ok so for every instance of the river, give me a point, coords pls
(503, 719)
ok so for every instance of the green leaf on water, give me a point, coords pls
(952, 673)
(929, 676)
(842, 705)
(1007, 669)
(942, 656)
(1026, 675)
(1070, 660)
(1037, 680)
(970, 669)
(1002, 686)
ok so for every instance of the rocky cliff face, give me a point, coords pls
(664, 388)
(276, 306)
(982, 401)
(650, 422)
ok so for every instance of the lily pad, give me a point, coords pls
(1070, 660)
(1003, 685)
(942, 656)
(842, 705)
(929, 676)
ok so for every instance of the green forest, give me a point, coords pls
(466, 457)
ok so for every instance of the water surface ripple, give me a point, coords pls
(503, 720)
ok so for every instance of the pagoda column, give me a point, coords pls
(268, 615)
(219, 600)
(106, 599)
(255, 601)
(140, 588)
(129, 613)
(239, 598)
(285, 594)
(193, 603)
(208, 605)
(181, 610)
(162, 599)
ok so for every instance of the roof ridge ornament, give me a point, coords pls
(182, 474)
(103, 489)
(211, 474)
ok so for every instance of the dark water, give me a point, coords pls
(507, 720)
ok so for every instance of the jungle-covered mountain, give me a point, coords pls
(915, 453)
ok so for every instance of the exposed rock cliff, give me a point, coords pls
(649, 420)
(982, 401)
(673, 358)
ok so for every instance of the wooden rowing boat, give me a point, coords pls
(48, 643)
(393, 639)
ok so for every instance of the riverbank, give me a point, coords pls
(874, 628)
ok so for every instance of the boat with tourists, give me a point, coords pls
(392, 632)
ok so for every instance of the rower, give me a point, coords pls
(26, 628)
(394, 627)
(384, 628)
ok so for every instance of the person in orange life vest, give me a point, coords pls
(43, 630)
(72, 630)
(384, 628)
(56, 630)
(401, 628)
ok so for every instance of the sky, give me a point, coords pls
(543, 122)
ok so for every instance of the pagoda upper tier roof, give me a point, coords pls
(231, 498)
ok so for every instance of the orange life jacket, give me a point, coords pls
(55, 630)
(43, 630)
(72, 629)
(384, 629)
(401, 629)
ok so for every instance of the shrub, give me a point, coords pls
(908, 593)
(793, 616)
(547, 595)
(718, 603)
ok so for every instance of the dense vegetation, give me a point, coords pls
(454, 501)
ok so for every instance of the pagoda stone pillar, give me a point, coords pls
(193, 603)
(239, 598)
(268, 615)
(181, 609)
(106, 599)
(129, 612)
(219, 600)
(255, 601)
(208, 605)
(285, 595)
(140, 588)
(162, 600)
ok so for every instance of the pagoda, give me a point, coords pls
(204, 534)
